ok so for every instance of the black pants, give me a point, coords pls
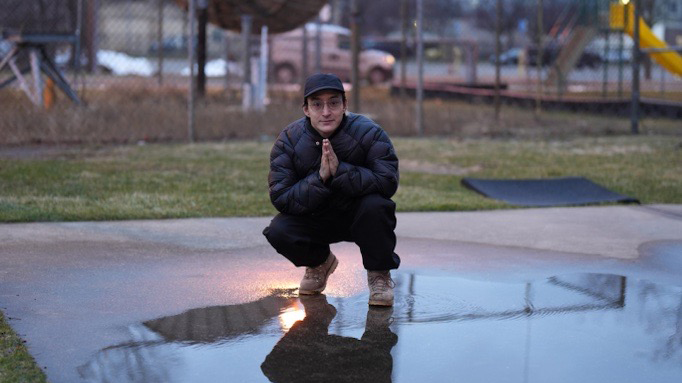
(370, 223)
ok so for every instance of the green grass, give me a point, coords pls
(648, 168)
(134, 182)
(230, 179)
(16, 364)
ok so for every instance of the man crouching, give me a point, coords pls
(332, 174)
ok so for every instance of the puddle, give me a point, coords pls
(585, 327)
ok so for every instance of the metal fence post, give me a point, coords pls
(247, 86)
(636, 57)
(262, 69)
(498, 51)
(305, 54)
(202, 18)
(355, 56)
(403, 48)
(192, 81)
(420, 69)
(538, 61)
(318, 45)
(159, 42)
(605, 63)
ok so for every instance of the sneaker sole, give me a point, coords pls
(320, 290)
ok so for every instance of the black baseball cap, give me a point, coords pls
(322, 81)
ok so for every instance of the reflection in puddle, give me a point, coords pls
(567, 328)
(309, 353)
(289, 316)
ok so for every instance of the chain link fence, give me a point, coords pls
(120, 69)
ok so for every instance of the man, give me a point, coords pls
(332, 174)
(309, 353)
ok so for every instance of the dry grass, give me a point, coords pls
(128, 114)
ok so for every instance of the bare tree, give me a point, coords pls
(514, 11)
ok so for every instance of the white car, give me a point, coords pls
(216, 68)
(120, 64)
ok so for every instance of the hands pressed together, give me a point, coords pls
(329, 162)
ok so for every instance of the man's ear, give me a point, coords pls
(306, 111)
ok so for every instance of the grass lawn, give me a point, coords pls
(230, 179)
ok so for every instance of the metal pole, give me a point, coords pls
(192, 82)
(37, 96)
(538, 61)
(77, 44)
(263, 69)
(91, 39)
(621, 42)
(662, 79)
(226, 48)
(306, 54)
(247, 86)
(498, 51)
(201, 46)
(605, 64)
(636, 57)
(355, 56)
(159, 43)
(318, 46)
(337, 12)
(403, 48)
(128, 20)
(420, 70)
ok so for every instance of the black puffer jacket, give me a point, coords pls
(367, 164)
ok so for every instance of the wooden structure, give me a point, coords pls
(278, 15)
(40, 61)
(33, 29)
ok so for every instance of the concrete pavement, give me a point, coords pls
(78, 292)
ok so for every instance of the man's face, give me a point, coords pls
(325, 109)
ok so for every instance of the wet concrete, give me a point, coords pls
(563, 295)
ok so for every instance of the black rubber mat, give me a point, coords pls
(546, 192)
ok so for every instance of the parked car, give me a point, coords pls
(216, 68)
(287, 56)
(392, 41)
(550, 53)
(589, 59)
(170, 45)
(120, 64)
(615, 56)
(388, 46)
(509, 57)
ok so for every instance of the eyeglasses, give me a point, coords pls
(335, 104)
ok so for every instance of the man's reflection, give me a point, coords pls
(308, 353)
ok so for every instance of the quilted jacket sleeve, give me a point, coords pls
(289, 192)
(380, 174)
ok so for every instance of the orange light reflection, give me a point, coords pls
(290, 315)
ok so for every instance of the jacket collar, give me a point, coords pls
(316, 134)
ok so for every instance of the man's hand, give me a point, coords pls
(329, 163)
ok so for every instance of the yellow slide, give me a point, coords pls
(671, 61)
